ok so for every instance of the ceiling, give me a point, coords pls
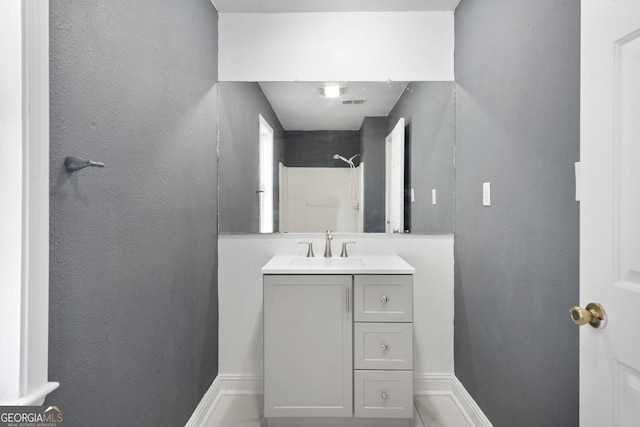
(302, 106)
(285, 6)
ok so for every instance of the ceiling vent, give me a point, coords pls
(354, 101)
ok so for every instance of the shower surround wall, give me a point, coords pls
(133, 279)
(517, 106)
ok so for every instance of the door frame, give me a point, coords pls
(24, 211)
(394, 154)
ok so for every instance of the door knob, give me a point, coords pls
(593, 314)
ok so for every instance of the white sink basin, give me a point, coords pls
(364, 264)
(304, 262)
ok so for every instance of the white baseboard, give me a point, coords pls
(424, 385)
(449, 385)
(206, 406)
(223, 384)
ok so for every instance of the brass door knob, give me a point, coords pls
(593, 314)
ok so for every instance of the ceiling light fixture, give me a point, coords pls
(333, 90)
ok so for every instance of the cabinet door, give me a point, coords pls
(307, 346)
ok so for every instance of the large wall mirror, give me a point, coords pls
(372, 157)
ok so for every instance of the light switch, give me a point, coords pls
(486, 194)
(413, 196)
(577, 172)
(433, 196)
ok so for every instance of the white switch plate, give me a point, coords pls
(433, 196)
(486, 194)
(413, 196)
(577, 171)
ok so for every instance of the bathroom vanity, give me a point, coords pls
(338, 339)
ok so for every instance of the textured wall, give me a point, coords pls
(428, 110)
(316, 148)
(133, 307)
(517, 126)
(372, 136)
(240, 103)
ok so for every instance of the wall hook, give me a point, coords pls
(73, 164)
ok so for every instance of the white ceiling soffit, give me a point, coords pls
(286, 6)
(302, 106)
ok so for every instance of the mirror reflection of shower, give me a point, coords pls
(353, 182)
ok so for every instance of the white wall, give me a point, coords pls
(341, 46)
(240, 294)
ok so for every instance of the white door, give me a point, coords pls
(394, 197)
(308, 358)
(265, 168)
(610, 212)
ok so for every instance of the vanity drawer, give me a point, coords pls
(383, 346)
(383, 298)
(383, 394)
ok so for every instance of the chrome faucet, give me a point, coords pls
(344, 253)
(327, 247)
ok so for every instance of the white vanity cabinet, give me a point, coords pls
(338, 343)
(307, 346)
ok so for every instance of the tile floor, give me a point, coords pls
(245, 410)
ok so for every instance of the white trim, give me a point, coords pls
(37, 396)
(35, 187)
(423, 385)
(241, 384)
(223, 384)
(468, 405)
(205, 408)
(449, 385)
(24, 204)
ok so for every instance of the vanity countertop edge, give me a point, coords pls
(365, 264)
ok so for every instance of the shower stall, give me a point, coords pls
(316, 199)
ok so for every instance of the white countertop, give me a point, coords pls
(365, 264)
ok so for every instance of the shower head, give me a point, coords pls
(339, 157)
(347, 161)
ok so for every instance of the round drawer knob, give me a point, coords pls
(384, 347)
(384, 395)
(384, 299)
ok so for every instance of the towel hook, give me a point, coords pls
(73, 164)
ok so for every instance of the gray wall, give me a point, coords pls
(517, 106)
(372, 136)
(240, 103)
(316, 148)
(428, 109)
(133, 279)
